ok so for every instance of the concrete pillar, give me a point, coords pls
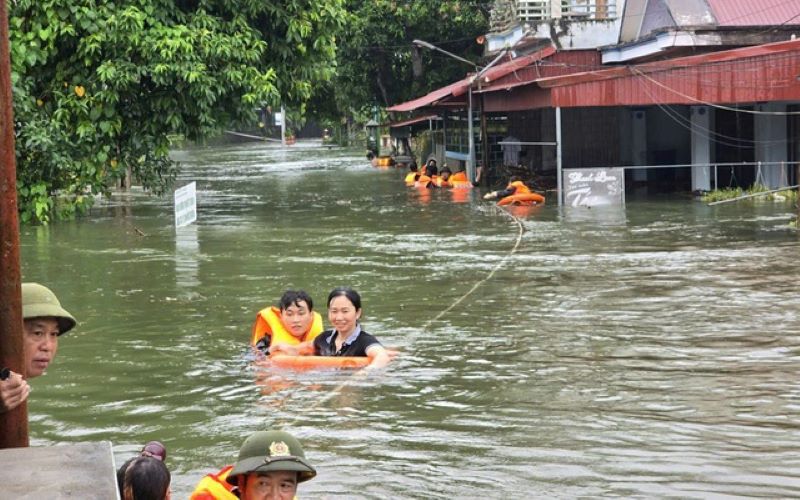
(639, 143)
(702, 123)
(770, 136)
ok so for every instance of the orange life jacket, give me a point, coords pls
(268, 322)
(460, 176)
(422, 181)
(214, 487)
(439, 182)
(520, 187)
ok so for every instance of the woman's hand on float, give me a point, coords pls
(378, 356)
(281, 348)
(490, 195)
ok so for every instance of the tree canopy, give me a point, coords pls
(378, 65)
(99, 86)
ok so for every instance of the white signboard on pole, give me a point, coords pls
(278, 118)
(185, 205)
(591, 187)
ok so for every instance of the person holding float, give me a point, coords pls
(340, 346)
(516, 193)
(413, 174)
(293, 322)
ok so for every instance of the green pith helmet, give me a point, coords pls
(40, 302)
(268, 451)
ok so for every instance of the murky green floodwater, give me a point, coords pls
(650, 352)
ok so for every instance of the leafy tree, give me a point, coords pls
(99, 86)
(378, 65)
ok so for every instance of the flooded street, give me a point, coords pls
(648, 351)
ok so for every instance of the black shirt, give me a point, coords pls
(325, 345)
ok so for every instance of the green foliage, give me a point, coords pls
(376, 58)
(100, 86)
(731, 193)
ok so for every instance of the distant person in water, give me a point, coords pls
(270, 466)
(413, 174)
(44, 321)
(292, 322)
(515, 186)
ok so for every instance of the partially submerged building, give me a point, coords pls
(686, 95)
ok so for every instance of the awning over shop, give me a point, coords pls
(412, 121)
(520, 71)
(454, 89)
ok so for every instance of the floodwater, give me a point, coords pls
(649, 351)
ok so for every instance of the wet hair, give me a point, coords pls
(431, 160)
(294, 297)
(348, 292)
(144, 478)
(445, 169)
(413, 167)
(432, 170)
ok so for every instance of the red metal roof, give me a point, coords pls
(513, 65)
(755, 13)
(560, 63)
(760, 73)
(457, 88)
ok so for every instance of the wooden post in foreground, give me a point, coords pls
(13, 424)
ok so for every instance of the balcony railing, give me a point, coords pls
(542, 10)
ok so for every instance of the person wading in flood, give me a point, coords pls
(294, 321)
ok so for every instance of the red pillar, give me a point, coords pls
(13, 424)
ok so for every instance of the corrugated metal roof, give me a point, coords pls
(755, 13)
(460, 87)
(760, 73)
(457, 88)
(560, 63)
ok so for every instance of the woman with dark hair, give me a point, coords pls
(145, 478)
(347, 337)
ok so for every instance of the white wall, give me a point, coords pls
(771, 140)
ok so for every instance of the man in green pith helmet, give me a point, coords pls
(270, 466)
(44, 322)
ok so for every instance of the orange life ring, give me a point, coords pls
(317, 362)
(522, 199)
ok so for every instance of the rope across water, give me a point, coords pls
(362, 373)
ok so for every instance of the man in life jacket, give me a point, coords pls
(270, 466)
(515, 186)
(294, 321)
(412, 175)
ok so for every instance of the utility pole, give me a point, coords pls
(14, 423)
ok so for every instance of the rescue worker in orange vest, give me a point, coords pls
(443, 179)
(430, 175)
(294, 321)
(270, 466)
(412, 175)
(515, 186)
